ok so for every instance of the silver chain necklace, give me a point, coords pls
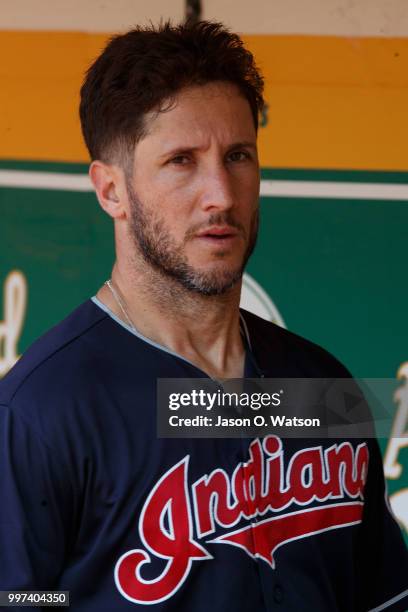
(120, 303)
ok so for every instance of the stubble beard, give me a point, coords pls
(161, 252)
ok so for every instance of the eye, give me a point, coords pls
(179, 160)
(237, 156)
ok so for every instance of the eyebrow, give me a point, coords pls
(184, 150)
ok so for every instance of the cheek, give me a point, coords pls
(178, 212)
(168, 225)
(247, 191)
(177, 199)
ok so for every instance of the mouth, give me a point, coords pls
(218, 235)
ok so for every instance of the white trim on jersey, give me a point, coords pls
(390, 602)
(136, 333)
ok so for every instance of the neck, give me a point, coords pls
(203, 329)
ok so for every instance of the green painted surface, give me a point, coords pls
(336, 269)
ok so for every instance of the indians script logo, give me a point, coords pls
(177, 519)
(15, 299)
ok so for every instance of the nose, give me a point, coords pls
(217, 189)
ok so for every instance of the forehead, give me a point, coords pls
(214, 110)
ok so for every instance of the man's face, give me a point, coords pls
(195, 188)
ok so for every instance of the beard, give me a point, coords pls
(159, 250)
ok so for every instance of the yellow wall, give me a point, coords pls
(334, 102)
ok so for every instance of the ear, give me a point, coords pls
(108, 182)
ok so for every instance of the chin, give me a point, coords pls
(219, 270)
(217, 282)
(219, 265)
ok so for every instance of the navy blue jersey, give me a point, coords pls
(93, 502)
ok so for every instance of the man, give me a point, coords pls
(93, 501)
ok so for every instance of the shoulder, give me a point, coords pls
(281, 352)
(56, 356)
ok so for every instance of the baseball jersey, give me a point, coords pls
(94, 503)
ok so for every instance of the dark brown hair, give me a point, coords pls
(140, 70)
